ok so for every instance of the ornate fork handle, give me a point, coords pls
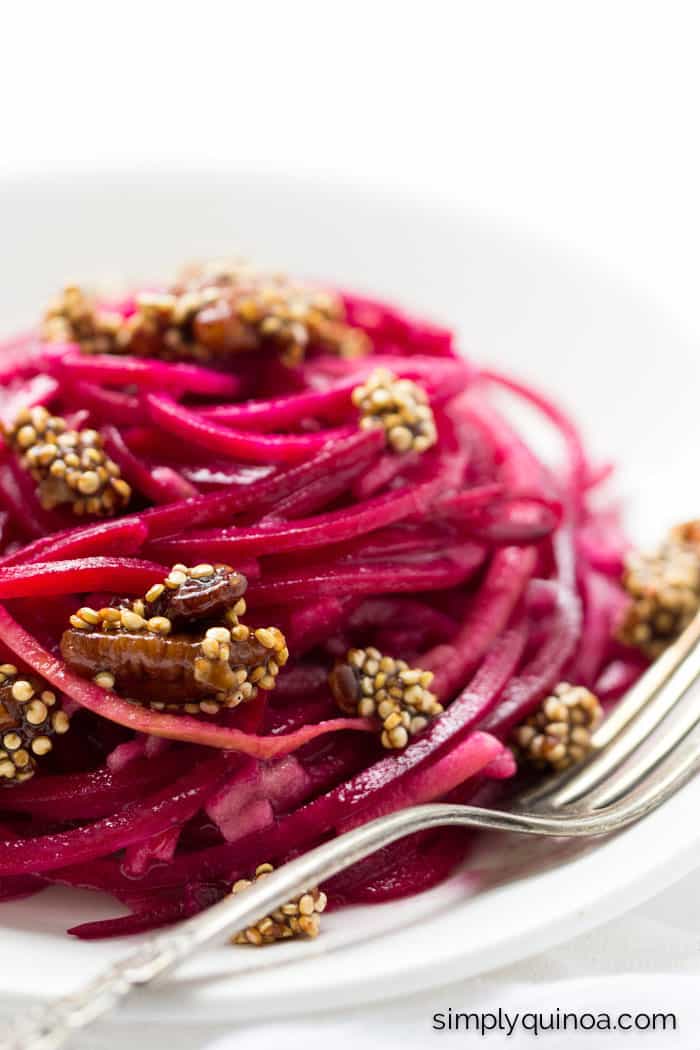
(49, 1026)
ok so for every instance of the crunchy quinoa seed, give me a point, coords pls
(30, 717)
(558, 734)
(300, 917)
(69, 466)
(664, 590)
(372, 685)
(400, 406)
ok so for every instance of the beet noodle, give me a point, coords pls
(438, 537)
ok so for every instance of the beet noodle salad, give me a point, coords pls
(273, 564)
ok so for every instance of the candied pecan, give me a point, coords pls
(203, 666)
(193, 594)
(174, 667)
(210, 314)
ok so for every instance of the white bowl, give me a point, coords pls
(624, 367)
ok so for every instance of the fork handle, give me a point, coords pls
(50, 1025)
(47, 1027)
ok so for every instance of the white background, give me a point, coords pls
(576, 119)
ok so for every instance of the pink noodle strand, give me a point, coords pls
(473, 559)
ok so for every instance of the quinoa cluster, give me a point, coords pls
(212, 312)
(400, 407)
(558, 734)
(300, 917)
(370, 684)
(69, 466)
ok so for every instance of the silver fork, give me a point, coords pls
(642, 754)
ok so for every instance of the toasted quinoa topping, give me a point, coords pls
(558, 734)
(214, 311)
(74, 317)
(298, 918)
(400, 406)
(370, 684)
(181, 647)
(70, 466)
(664, 587)
(29, 717)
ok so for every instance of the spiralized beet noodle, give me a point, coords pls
(450, 547)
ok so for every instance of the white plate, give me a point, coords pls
(624, 367)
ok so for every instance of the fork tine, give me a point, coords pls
(645, 706)
(655, 749)
(672, 773)
(649, 684)
(601, 765)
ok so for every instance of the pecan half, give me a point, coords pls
(211, 661)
